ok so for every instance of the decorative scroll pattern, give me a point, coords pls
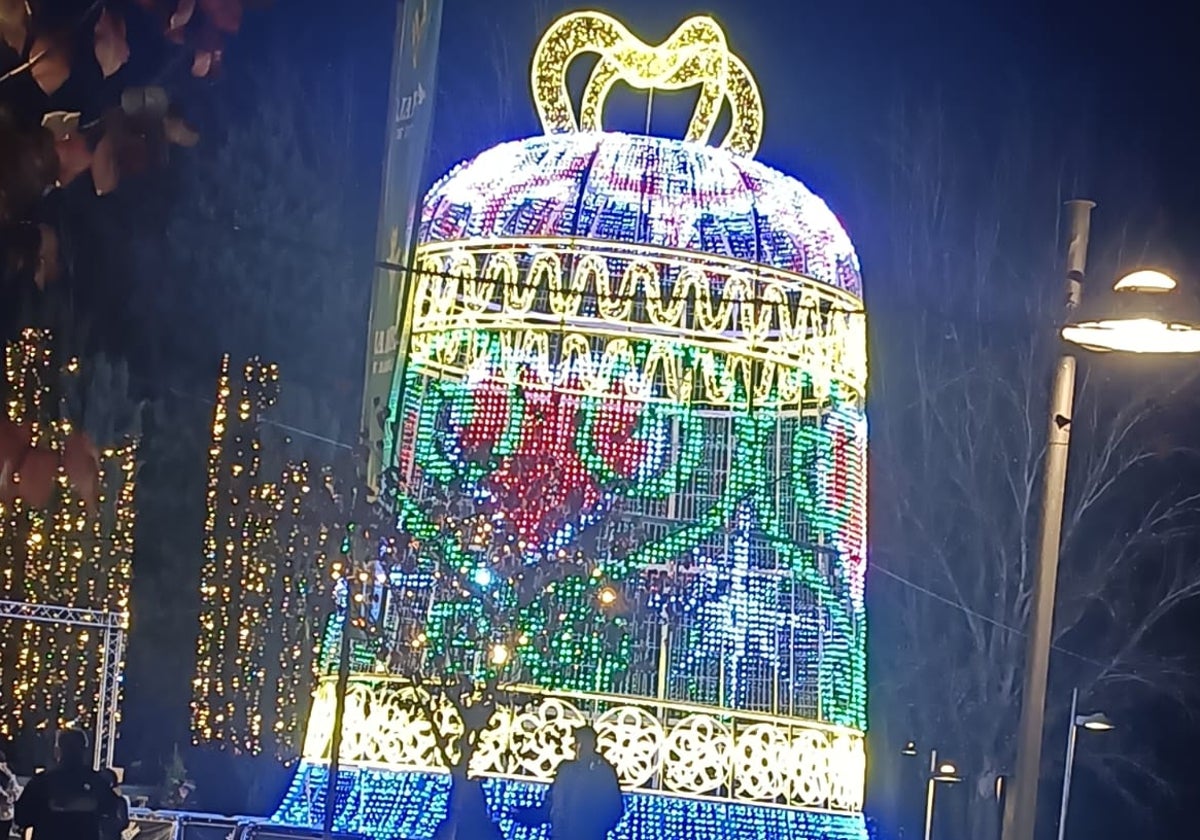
(709, 323)
(694, 55)
(667, 747)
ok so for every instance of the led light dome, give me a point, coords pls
(670, 270)
(639, 190)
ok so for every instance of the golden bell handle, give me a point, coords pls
(695, 54)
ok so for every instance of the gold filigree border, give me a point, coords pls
(674, 748)
(574, 309)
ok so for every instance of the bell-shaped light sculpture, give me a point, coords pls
(1139, 323)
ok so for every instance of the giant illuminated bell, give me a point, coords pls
(679, 327)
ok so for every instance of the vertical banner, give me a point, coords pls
(410, 120)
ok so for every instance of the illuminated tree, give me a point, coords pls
(471, 613)
(491, 606)
(291, 551)
(962, 390)
(260, 255)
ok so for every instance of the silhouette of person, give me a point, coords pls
(584, 802)
(9, 791)
(467, 816)
(71, 800)
(114, 825)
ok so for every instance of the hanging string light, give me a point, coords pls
(275, 555)
(66, 539)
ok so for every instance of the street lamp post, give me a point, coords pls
(945, 773)
(1139, 326)
(1020, 805)
(1097, 722)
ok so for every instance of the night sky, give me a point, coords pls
(1115, 82)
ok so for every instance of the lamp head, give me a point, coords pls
(1138, 321)
(1145, 280)
(948, 773)
(1096, 722)
(910, 748)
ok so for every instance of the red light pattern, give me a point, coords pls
(543, 483)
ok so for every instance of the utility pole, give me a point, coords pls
(1020, 807)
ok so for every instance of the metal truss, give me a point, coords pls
(112, 659)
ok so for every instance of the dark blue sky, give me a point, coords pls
(1114, 82)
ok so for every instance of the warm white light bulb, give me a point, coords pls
(1134, 335)
(1146, 280)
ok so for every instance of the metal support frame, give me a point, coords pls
(112, 657)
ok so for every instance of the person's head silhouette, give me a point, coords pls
(70, 747)
(585, 742)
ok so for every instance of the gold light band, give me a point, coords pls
(767, 329)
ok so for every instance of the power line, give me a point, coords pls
(958, 605)
(303, 432)
(260, 418)
(1000, 625)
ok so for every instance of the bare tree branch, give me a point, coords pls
(965, 336)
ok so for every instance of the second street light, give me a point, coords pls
(943, 772)
(939, 772)
(1094, 722)
(1140, 324)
